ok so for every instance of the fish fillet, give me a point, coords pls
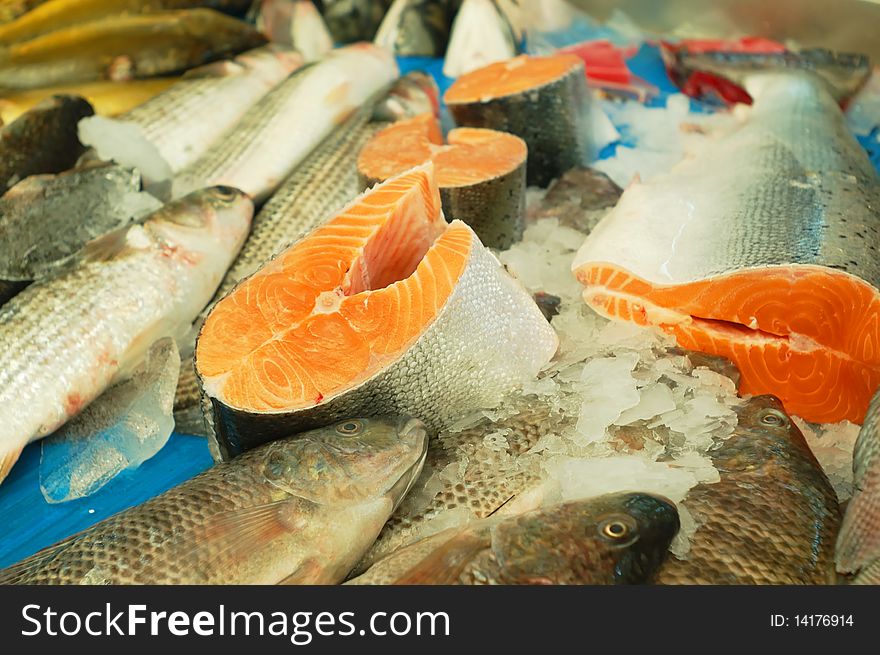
(761, 248)
(384, 306)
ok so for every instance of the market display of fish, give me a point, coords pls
(288, 123)
(58, 14)
(100, 315)
(613, 539)
(858, 544)
(164, 135)
(43, 140)
(770, 261)
(384, 308)
(433, 340)
(125, 48)
(300, 510)
(773, 516)
(543, 100)
(481, 173)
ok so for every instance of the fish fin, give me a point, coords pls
(237, 534)
(20, 572)
(8, 460)
(108, 246)
(446, 563)
(309, 572)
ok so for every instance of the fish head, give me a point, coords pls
(215, 219)
(413, 94)
(617, 538)
(354, 460)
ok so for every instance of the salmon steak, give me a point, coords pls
(481, 173)
(543, 100)
(386, 305)
(761, 247)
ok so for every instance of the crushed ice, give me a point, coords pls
(123, 428)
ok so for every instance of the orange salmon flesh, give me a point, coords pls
(473, 155)
(506, 78)
(807, 334)
(337, 306)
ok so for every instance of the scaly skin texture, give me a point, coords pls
(42, 140)
(858, 545)
(613, 539)
(258, 153)
(63, 340)
(298, 510)
(552, 119)
(183, 122)
(772, 518)
(132, 46)
(489, 477)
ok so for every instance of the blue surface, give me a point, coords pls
(29, 523)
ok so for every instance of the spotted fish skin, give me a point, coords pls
(298, 510)
(613, 539)
(771, 519)
(858, 544)
(771, 260)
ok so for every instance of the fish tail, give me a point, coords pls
(8, 460)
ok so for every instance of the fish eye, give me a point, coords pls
(349, 428)
(774, 418)
(620, 530)
(226, 193)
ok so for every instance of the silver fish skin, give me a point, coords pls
(858, 543)
(180, 124)
(300, 510)
(287, 124)
(65, 339)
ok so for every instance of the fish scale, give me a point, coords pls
(272, 515)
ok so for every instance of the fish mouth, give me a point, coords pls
(411, 429)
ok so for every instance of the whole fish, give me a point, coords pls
(323, 183)
(769, 260)
(773, 516)
(58, 14)
(417, 28)
(858, 544)
(125, 48)
(287, 124)
(166, 134)
(300, 510)
(613, 539)
(65, 339)
(106, 98)
(42, 140)
(386, 308)
(353, 20)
